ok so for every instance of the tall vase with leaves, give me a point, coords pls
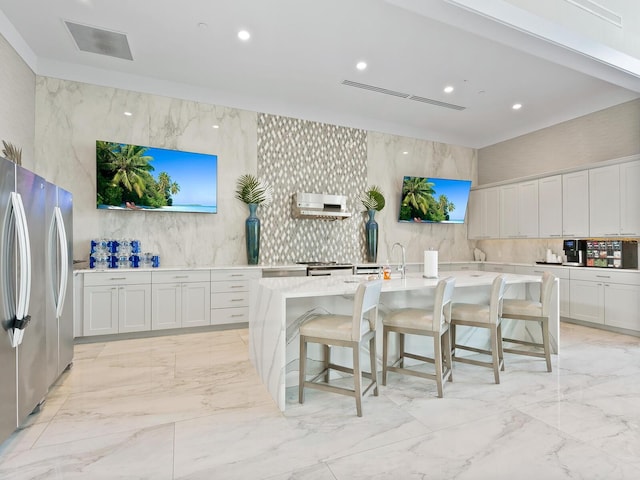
(372, 200)
(253, 192)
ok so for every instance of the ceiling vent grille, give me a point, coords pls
(598, 10)
(103, 42)
(438, 103)
(364, 86)
(408, 96)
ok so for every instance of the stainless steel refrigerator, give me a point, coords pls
(26, 278)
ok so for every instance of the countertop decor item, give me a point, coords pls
(253, 192)
(373, 201)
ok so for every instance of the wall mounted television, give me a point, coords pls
(134, 177)
(433, 200)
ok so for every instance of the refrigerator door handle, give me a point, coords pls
(64, 261)
(24, 256)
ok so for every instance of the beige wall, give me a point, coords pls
(17, 102)
(604, 135)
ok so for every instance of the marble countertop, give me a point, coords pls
(292, 287)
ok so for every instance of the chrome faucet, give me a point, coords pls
(402, 267)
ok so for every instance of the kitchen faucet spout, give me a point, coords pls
(402, 267)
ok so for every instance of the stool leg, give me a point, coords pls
(374, 366)
(357, 378)
(302, 365)
(327, 360)
(385, 352)
(545, 343)
(500, 349)
(437, 358)
(447, 352)
(494, 353)
(401, 343)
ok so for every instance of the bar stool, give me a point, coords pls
(414, 321)
(482, 316)
(534, 311)
(345, 331)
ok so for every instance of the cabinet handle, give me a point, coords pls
(181, 276)
(118, 278)
(237, 275)
(555, 235)
(630, 234)
(237, 315)
(236, 299)
(237, 286)
(603, 276)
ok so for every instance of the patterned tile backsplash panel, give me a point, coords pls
(303, 156)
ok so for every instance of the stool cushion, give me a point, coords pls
(410, 318)
(470, 312)
(521, 307)
(336, 327)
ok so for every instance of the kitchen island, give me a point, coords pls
(279, 305)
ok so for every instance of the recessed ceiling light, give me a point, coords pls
(128, 114)
(448, 89)
(517, 106)
(244, 35)
(215, 126)
(361, 65)
(405, 153)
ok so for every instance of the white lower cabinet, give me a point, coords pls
(180, 299)
(610, 298)
(230, 292)
(117, 302)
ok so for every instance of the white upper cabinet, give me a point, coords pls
(484, 213)
(575, 204)
(550, 206)
(604, 201)
(614, 198)
(630, 199)
(519, 210)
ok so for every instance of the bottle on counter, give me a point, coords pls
(386, 271)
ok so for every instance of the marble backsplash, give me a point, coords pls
(293, 154)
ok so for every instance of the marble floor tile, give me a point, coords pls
(191, 406)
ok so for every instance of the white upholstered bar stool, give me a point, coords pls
(534, 311)
(345, 331)
(482, 316)
(414, 321)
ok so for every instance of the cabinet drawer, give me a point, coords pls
(116, 277)
(605, 275)
(230, 286)
(233, 275)
(231, 299)
(181, 276)
(221, 316)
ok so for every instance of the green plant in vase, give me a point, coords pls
(372, 200)
(253, 191)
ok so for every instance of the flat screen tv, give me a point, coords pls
(134, 177)
(433, 200)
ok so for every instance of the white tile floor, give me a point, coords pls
(191, 407)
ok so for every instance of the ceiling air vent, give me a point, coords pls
(103, 42)
(374, 89)
(417, 98)
(436, 102)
